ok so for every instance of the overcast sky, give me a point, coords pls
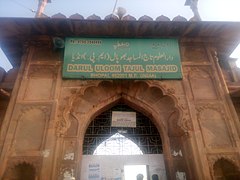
(209, 10)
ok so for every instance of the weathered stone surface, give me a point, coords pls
(49, 116)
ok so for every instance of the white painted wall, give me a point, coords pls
(111, 167)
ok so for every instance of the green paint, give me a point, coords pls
(116, 58)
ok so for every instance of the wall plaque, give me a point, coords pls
(123, 119)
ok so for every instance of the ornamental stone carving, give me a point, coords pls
(167, 87)
(43, 71)
(213, 122)
(35, 161)
(151, 92)
(31, 122)
(26, 108)
(202, 83)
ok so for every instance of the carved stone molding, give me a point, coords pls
(215, 120)
(119, 88)
(45, 109)
(213, 158)
(193, 53)
(215, 107)
(164, 86)
(64, 123)
(214, 54)
(185, 120)
(202, 83)
(23, 110)
(49, 71)
(198, 72)
(26, 108)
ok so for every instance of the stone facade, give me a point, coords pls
(47, 116)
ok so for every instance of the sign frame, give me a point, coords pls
(121, 58)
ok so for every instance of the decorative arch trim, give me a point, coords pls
(157, 97)
(35, 162)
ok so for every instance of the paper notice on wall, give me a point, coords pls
(123, 119)
(94, 171)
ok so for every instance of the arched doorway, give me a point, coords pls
(21, 171)
(225, 170)
(136, 145)
(152, 100)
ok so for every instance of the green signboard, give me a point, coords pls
(117, 58)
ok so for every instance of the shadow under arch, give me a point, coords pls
(21, 171)
(225, 169)
(149, 99)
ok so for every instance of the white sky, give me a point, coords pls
(210, 10)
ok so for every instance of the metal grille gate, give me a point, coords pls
(145, 135)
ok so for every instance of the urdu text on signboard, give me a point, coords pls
(117, 58)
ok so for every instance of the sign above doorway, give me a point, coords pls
(117, 58)
(123, 119)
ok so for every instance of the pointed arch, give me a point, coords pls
(145, 135)
(151, 100)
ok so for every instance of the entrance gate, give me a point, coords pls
(155, 102)
(117, 143)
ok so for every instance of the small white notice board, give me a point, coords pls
(123, 119)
